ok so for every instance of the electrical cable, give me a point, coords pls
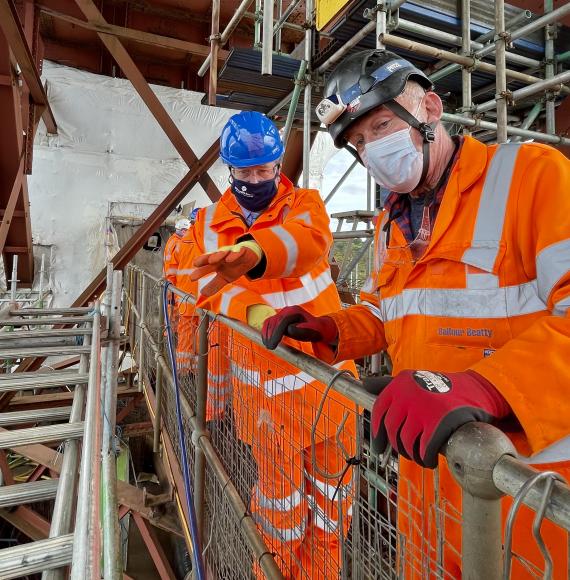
(194, 534)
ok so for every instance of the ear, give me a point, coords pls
(434, 107)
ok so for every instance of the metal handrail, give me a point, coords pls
(480, 456)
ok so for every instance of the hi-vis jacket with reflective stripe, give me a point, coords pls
(170, 256)
(492, 294)
(293, 233)
(492, 291)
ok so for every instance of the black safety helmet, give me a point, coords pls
(362, 82)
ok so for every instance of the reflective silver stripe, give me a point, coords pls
(172, 271)
(310, 290)
(219, 390)
(284, 535)
(373, 309)
(329, 490)
(304, 217)
(552, 263)
(218, 378)
(228, 296)
(464, 303)
(291, 249)
(217, 404)
(244, 375)
(561, 307)
(186, 271)
(288, 383)
(492, 206)
(321, 520)
(210, 236)
(205, 280)
(558, 451)
(167, 256)
(482, 281)
(283, 504)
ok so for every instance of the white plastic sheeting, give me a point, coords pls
(109, 148)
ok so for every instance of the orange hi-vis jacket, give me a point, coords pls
(170, 250)
(274, 404)
(293, 233)
(491, 293)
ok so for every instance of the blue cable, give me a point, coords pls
(194, 534)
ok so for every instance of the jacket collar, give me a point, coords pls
(228, 209)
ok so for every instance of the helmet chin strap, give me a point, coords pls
(425, 129)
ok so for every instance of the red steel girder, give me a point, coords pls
(13, 200)
(12, 29)
(156, 551)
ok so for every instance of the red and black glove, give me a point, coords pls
(295, 322)
(419, 410)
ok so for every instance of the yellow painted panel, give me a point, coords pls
(327, 10)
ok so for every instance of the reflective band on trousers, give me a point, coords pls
(283, 504)
(329, 490)
(291, 249)
(309, 291)
(502, 302)
(282, 534)
(492, 207)
(218, 378)
(278, 385)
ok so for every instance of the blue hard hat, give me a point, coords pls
(250, 138)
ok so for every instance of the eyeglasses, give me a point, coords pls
(259, 173)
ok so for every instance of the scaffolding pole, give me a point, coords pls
(307, 104)
(214, 48)
(501, 95)
(267, 42)
(466, 101)
(549, 35)
(520, 94)
(228, 30)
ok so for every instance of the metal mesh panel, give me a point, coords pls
(297, 454)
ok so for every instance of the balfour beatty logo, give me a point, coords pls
(450, 331)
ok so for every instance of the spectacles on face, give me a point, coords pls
(259, 173)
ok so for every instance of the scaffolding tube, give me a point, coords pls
(479, 124)
(228, 30)
(83, 535)
(307, 103)
(214, 47)
(468, 61)
(466, 51)
(549, 34)
(523, 93)
(512, 23)
(501, 94)
(267, 42)
(283, 17)
(299, 82)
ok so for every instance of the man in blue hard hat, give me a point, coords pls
(262, 247)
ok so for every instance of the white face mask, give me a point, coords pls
(394, 162)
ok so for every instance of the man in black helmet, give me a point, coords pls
(471, 279)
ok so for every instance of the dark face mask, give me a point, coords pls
(254, 196)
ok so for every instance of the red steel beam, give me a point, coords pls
(156, 551)
(12, 28)
(11, 206)
(131, 71)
